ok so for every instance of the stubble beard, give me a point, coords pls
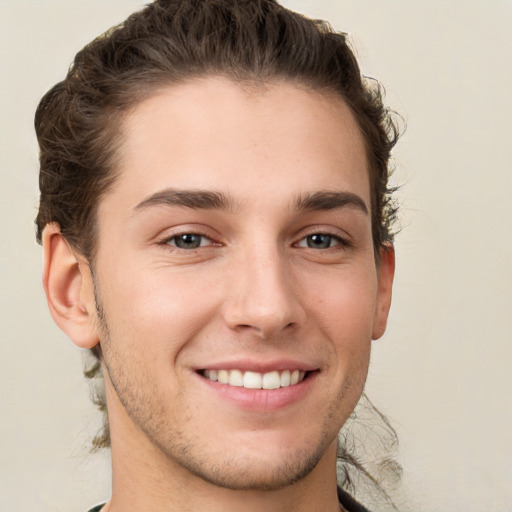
(137, 391)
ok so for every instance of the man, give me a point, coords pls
(216, 225)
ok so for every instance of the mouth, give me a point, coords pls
(256, 380)
(260, 387)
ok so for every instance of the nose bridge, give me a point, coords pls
(262, 296)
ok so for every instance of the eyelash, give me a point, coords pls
(340, 241)
(166, 243)
(343, 243)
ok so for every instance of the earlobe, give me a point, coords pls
(69, 289)
(385, 275)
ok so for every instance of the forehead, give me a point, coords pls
(215, 134)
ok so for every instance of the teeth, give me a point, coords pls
(223, 376)
(285, 378)
(236, 378)
(252, 380)
(255, 380)
(271, 380)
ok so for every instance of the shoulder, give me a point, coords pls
(97, 508)
(349, 503)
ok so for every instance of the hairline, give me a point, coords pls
(115, 117)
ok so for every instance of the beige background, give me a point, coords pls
(441, 373)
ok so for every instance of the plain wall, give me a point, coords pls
(441, 373)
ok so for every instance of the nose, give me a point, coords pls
(263, 296)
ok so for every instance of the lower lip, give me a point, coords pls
(262, 400)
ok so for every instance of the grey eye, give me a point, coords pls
(188, 241)
(320, 241)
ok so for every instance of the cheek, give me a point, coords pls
(161, 310)
(345, 314)
(346, 304)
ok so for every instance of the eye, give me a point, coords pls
(189, 241)
(320, 241)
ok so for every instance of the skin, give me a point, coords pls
(273, 280)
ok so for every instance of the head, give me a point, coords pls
(254, 58)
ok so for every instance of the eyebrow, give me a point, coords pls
(212, 200)
(329, 200)
(198, 199)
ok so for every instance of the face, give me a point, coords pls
(236, 281)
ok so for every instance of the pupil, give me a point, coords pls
(188, 241)
(319, 241)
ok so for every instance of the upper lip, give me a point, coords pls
(259, 366)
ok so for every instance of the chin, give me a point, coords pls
(257, 475)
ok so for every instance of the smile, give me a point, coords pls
(255, 380)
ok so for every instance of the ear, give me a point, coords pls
(385, 274)
(68, 285)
